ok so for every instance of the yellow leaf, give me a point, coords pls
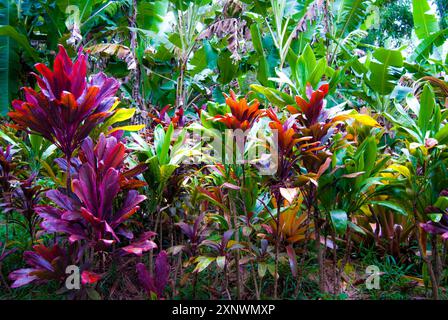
(121, 115)
(135, 127)
(401, 169)
(362, 118)
(116, 103)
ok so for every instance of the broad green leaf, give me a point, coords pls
(339, 220)
(263, 68)
(163, 155)
(36, 142)
(385, 70)
(426, 47)
(391, 205)
(442, 135)
(442, 203)
(425, 23)
(319, 70)
(274, 96)
(227, 67)
(22, 40)
(159, 139)
(350, 16)
(427, 105)
(151, 14)
(435, 217)
(262, 267)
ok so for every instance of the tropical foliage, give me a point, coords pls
(223, 149)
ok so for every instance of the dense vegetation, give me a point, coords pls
(115, 160)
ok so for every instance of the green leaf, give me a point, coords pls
(425, 23)
(163, 155)
(319, 70)
(385, 70)
(263, 67)
(442, 135)
(22, 40)
(426, 47)
(391, 205)
(442, 203)
(427, 105)
(274, 96)
(339, 220)
(93, 294)
(262, 268)
(159, 139)
(121, 115)
(435, 217)
(131, 127)
(221, 262)
(227, 67)
(351, 15)
(36, 142)
(166, 171)
(151, 14)
(153, 172)
(356, 228)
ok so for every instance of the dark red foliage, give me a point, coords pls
(45, 264)
(156, 283)
(68, 107)
(89, 214)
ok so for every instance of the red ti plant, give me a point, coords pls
(45, 264)
(311, 125)
(24, 199)
(439, 209)
(155, 284)
(242, 115)
(178, 120)
(68, 107)
(89, 214)
(6, 168)
(195, 233)
(289, 142)
(314, 122)
(311, 111)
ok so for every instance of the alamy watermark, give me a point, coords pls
(373, 279)
(213, 146)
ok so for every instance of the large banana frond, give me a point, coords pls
(351, 15)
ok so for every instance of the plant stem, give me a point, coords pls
(319, 253)
(254, 276)
(237, 252)
(69, 175)
(277, 246)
